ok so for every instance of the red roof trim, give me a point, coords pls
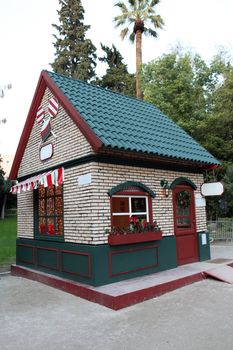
(40, 89)
(91, 137)
(211, 167)
(46, 81)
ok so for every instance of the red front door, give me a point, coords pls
(185, 224)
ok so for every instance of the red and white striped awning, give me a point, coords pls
(48, 179)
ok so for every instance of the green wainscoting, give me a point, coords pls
(97, 265)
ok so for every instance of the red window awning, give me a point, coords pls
(48, 179)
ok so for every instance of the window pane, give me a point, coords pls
(42, 226)
(138, 205)
(58, 190)
(50, 191)
(121, 221)
(180, 211)
(41, 207)
(50, 206)
(50, 226)
(140, 217)
(58, 206)
(183, 222)
(41, 191)
(120, 205)
(50, 211)
(59, 226)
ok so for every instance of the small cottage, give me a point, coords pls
(108, 187)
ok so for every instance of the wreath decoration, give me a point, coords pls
(183, 199)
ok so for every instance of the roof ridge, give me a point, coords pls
(105, 89)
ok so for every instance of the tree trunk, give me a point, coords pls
(138, 62)
(3, 206)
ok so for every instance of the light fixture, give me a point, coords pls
(165, 187)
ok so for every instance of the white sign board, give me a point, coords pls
(84, 179)
(212, 189)
(46, 151)
(199, 200)
(203, 239)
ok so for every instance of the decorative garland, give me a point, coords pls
(183, 199)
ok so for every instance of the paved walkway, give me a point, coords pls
(199, 316)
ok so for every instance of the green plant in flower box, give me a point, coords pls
(136, 226)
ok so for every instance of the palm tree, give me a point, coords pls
(138, 13)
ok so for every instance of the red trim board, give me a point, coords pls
(92, 294)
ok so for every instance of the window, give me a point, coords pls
(126, 206)
(50, 211)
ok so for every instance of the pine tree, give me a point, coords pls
(75, 55)
(117, 77)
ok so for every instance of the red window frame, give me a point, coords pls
(129, 194)
(47, 229)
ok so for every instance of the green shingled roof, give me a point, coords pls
(130, 124)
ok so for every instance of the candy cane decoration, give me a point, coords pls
(44, 121)
(53, 107)
(40, 115)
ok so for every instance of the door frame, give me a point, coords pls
(185, 236)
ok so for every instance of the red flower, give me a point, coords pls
(133, 220)
(50, 229)
(144, 223)
(42, 228)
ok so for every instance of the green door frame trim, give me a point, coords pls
(180, 180)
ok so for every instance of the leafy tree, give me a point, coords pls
(180, 84)
(6, 198)
(1, 169)
(75, 55)
(140, 14)
(117, 77)
(199, 97)
(218, 126)
(228, 196)
(2, 188)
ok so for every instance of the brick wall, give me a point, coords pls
(69, 143)
(87, 207)
(25, 215)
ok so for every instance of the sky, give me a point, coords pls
(26, 44)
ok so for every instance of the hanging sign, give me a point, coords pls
(212, 189)
(45, 129)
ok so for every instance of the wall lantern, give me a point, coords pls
(165, 187)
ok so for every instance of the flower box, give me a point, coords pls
(131, 238)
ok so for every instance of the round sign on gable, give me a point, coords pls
(46, 151)
(212, 189)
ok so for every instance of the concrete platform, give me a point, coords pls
(125, 293)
